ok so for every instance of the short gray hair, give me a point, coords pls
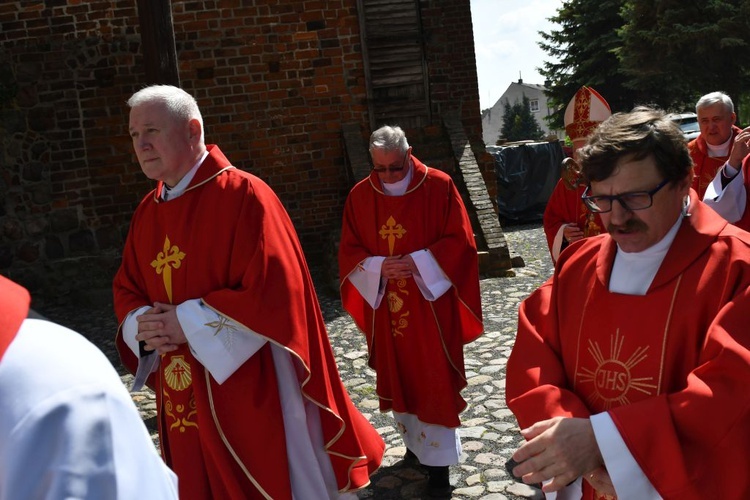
(714, 98)
(389, 138)
(180, 105)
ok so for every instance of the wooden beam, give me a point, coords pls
(157, 42)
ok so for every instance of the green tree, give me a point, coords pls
(675, 51)
(662, 52)
(583, 52)
(519, 123)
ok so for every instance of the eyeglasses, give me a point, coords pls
(636, 200)
(391, 168)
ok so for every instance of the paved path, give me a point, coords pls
(489, 432)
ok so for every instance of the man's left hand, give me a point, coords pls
(560, 449)
(160, 328)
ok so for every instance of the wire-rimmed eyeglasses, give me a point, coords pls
(635, 200)
(391, 168)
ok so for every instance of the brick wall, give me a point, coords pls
(274, 79)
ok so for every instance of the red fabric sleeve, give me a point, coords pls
(536, 384)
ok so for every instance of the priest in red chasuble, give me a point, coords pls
(727, 191)
(566, 218)
(630, 369)
(409, 279)
(219, 315)
(714, 145)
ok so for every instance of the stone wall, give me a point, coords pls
(275, 81)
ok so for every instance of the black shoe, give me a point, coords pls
(438, 482)
(410, 458)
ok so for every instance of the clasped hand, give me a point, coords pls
(561, 450)
(160, 329)
(398, 266)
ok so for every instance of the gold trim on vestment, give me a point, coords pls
(190, 188)
(666, 331)
(442, 342)
(225, 440)
(458, 296)
(354, 460)
(424, 177)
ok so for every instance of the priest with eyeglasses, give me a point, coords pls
(410, 280)
(629, 372)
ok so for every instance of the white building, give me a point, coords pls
(492, 121)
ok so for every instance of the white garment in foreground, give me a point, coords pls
(68, 427)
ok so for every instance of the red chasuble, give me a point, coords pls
(671, 367)
(704, 166)
(566, 207)
(415, 346)
(14, 307)
(229, 242)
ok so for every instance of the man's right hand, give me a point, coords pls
(740, 149)
(160, 329)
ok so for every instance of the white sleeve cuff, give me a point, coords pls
(218, 343)
(366, 279)
(431, 280)
(130, 329)
(627, 476)
(557, 243)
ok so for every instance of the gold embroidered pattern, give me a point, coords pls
(391, 231)
(224, 324)
(181, 417)
(395, 304)
(170, 257)
(613, 378)
(399, 324)
(177, 374)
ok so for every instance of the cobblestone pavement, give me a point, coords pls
(489, 432)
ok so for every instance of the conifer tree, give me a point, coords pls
(519, 123)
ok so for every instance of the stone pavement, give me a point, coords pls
(489, 432)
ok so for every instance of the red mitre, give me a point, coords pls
(585, 111)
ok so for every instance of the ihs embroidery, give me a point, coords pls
(613, 378)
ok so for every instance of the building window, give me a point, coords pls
(534, 105)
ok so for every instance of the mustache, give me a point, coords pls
(632, 225)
